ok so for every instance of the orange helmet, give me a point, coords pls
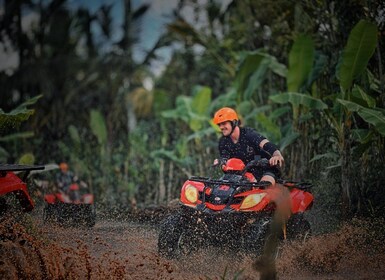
(225, 114)
(63, 166)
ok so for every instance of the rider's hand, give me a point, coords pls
(277, 159)
(221, 162)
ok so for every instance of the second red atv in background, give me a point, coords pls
(233, 212)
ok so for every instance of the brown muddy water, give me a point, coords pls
(127, 250)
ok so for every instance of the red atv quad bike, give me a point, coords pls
(232, 212)
(72, 209)
(12, 184)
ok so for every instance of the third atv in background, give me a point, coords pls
(71, 204)
(232, 211)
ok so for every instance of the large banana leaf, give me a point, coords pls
(374, 117)
(248, 65)
(297, 99)
(270, 128)
(288, 140)
(301, 59)
(200, 105)
(252, 71)
(361, 97)
(192, 110)
(181, 111)
(18, 115)
(256, 79)
(98, 126)
(360, 47)
(362, 136)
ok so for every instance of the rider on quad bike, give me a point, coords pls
(67, 182)
(237, 210)
(246, 144)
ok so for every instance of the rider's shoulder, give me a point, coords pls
(248, 130)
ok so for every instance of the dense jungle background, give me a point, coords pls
(309, 75)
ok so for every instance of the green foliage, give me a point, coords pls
(252, 72)
(326, 99)
(192, 110)
(199, 107)
(301, 59)
(359, 49)
(297, 99)
(98, 126)
(13, 119)
(374, 117)
(27, 158)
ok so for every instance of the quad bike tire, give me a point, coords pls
(254, 240)
(298, 228)
(89, 215)
(49, 214)
(174, 237)
(3, 206)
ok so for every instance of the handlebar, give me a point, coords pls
(261, 162)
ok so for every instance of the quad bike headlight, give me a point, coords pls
(191, 193)
(252, 200)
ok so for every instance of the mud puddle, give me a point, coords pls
(124, 250)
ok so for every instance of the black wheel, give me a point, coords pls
(65, 214)
(89, 215)
(50, 213)
(3, 206)
(174, 238)
(298, 228)
(256, 236)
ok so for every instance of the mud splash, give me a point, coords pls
(122, 250)
(356, 251)
(64, 253)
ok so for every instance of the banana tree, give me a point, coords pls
(253, 74)
(360, 47)
(190, 117)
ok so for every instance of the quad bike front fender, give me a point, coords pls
(10, 183)
(301, 201)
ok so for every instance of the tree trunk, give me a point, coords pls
(162, 186)
(346, 178)
(170, 181)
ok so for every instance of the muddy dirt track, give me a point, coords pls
(128, 250)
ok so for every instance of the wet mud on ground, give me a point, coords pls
(128, 250)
